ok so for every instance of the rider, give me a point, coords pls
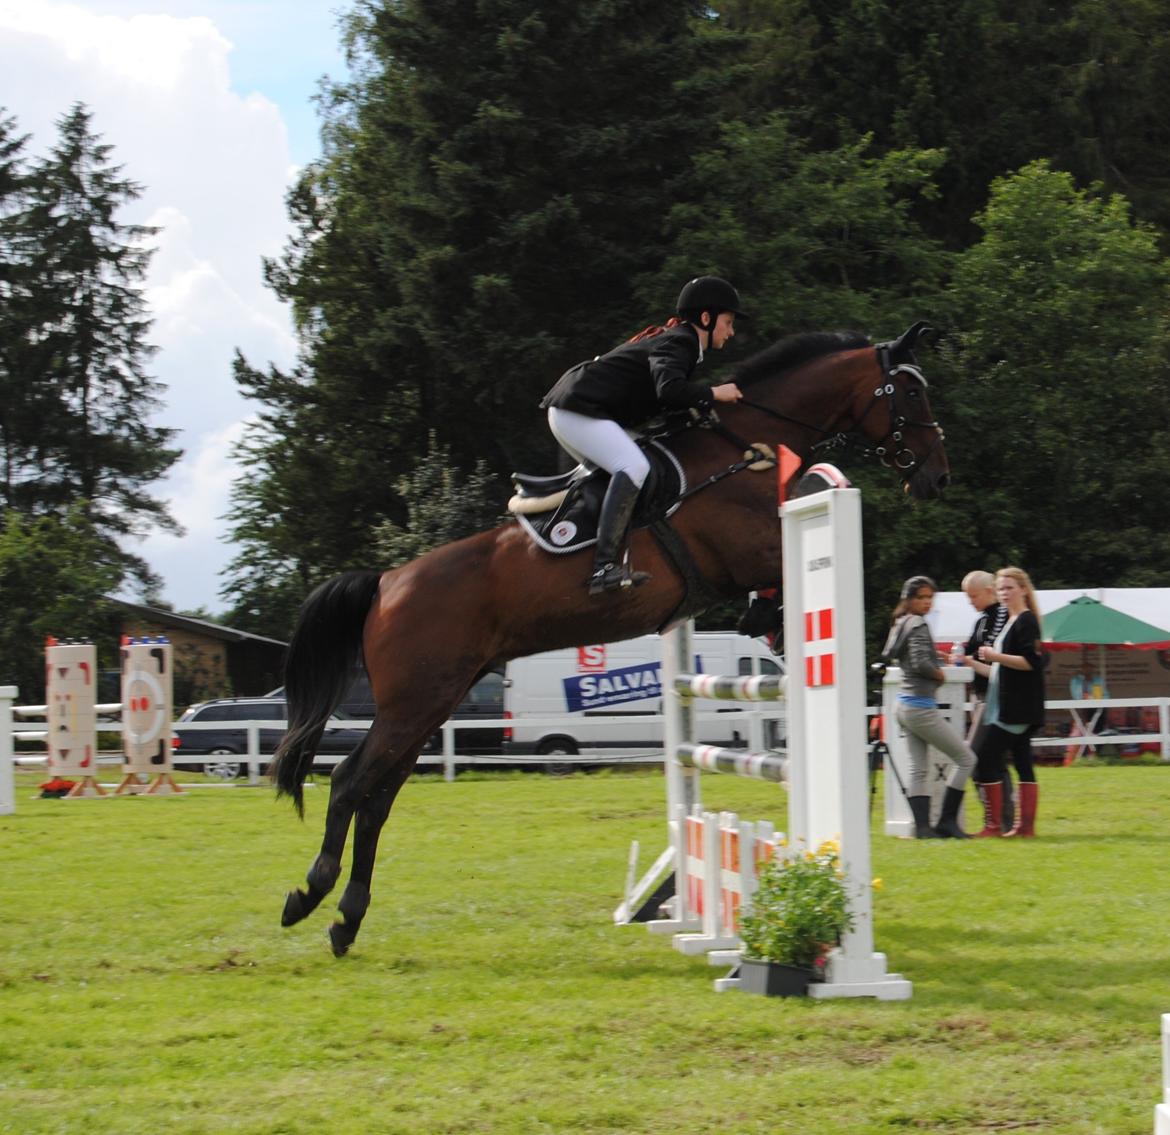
(594, 403)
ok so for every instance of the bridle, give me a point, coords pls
(891, 449)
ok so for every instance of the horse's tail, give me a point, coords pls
(326, 646)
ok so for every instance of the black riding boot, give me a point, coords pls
(948, 820)
(920, 809)
(609, 572)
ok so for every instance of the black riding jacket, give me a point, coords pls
(636, 381)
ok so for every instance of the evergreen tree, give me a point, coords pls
(994, 83)
(18, 420)
(83, 381)
(493, 184)
(814, 240)
(444, 506)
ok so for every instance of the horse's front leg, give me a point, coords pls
(370, 819)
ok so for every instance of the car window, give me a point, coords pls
(487, 693)
(266, 711)
(213, 713)
(765, 666)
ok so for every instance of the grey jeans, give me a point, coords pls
(926, 728)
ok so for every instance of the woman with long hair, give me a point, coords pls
(911, 646)
(594, 403)
(1014, 709)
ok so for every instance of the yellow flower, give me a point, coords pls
(876, 884)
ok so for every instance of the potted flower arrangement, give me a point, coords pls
(798, 913)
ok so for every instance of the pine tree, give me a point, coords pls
(85, 354)
(494, 184)
(18, 421)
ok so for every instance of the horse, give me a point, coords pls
(428, 629)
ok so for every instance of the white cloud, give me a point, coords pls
(214, 165)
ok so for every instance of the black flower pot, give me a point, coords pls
(774, 979)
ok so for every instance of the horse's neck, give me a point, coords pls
(813, 402)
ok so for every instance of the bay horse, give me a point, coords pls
(428, 629)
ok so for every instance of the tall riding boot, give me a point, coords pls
(1026, 825)
(992, 809)
(920, 809)
(609, 572)
(1009, 805)
(948, 820)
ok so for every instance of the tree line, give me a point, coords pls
(501, 196)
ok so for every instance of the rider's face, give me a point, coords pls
(724, 329)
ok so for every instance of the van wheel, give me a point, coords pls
(558, 746)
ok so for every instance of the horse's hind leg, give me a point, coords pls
(370, 818)
(322, 875)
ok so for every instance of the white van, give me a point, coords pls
(554, 699)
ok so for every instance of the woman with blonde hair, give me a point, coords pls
(1014, 710)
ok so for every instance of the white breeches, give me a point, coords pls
(600, 442)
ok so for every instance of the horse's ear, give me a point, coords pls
(904, 344)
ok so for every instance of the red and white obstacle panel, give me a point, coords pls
(147, 703)
(71, 720)
(826, 769)
(70, 715)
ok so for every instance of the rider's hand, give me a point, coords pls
(728, 392)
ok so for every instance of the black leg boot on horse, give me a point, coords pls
(610, 571)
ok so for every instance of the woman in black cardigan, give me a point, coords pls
(1014, 667)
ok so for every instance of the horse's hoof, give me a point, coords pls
(296, 906)
(340, 938)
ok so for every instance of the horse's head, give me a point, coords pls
(893, 415)
(835, 387)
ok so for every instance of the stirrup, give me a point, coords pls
(614, 577)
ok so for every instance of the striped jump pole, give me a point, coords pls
(711, 758)
(827, 764)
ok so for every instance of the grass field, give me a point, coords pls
(147, 986)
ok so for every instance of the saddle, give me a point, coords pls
(560, 513)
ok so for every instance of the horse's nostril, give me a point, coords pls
(944, 480)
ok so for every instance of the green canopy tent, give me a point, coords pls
(1088, 622)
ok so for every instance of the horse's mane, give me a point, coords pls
(793, 351)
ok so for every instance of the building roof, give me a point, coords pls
(197, 626)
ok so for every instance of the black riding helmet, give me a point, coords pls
(707, 293)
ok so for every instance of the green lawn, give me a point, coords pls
(147, 986)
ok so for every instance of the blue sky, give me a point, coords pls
(209, 106)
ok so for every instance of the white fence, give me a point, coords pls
(754, 723)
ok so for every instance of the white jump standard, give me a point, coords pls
(716, 857)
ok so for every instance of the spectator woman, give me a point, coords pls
(911, 646)
(1014, 709)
